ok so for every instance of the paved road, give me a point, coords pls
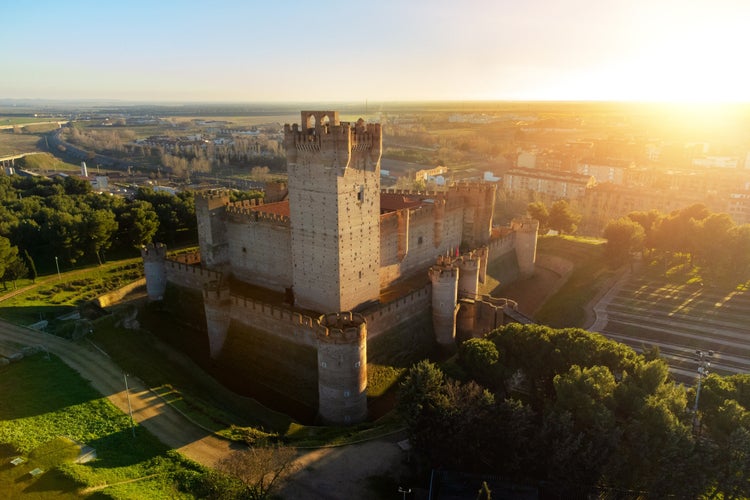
(159, 418)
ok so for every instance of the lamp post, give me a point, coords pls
(703, 366)
(57, 265)
(130, 408)
(404, 491)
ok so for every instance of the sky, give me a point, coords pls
(377, 51)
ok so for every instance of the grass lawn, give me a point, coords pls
(47, 408)
(52, 296)
(567, 307)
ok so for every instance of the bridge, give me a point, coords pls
(31, 124)
(9, 161)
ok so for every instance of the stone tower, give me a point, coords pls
(342, 368)
(444, 277)
(526, 230)
(334, 205)
(210, 207)
(154, 268)
(468, 276)
(217, 304)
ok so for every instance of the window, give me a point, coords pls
(361, 194)
(419, 240)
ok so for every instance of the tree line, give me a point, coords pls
(577, 415)
(62, 221)
(694, 242)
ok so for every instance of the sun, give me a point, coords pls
(689, 52)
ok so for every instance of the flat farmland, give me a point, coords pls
(680, 320)
(13, 144)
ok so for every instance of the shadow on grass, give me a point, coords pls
(29, 315)
(48, 481)
(121, 449)
(21, 383)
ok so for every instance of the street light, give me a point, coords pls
(703, 366)
(57, 265)
(404, 491)
(130, 408)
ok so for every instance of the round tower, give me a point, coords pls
(466, 319)
(217, 304)
(444, 277)
(154, 268)
(484, 257)
(526, 230)
(468, 277)
(342, 368)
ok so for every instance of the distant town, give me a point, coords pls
(605, 159)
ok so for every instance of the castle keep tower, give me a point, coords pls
(210, 207)
(334, 205)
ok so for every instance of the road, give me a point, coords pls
(159, 418)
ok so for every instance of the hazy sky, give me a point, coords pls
(381, 50)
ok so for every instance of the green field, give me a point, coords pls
(48, 408)
(52, 296)
(567, 307)
(14, 144)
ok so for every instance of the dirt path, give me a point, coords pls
(329, 473)
(159, 418)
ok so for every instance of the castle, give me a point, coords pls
(353, 261)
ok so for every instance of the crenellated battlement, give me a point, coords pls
(188, 258)
(342, 327)
(322, 131)
(443, 271)
(247, 213)
(213, 198)
(194, 277)
(153, 252)
(411, 192)
(472, 187)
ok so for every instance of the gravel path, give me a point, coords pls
(105, 376)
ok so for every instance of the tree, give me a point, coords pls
(15, 270)
(137, 224)
(538, 210)
(562, 218)
(32, 266)
(479, 357)
(648, 221)
(624, 237)
(260, 468)
(98, 228)
(6, 253)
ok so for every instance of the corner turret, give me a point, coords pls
(154, 257)
(342, 368)
(526, 230)
(444, 277)
(217, 305)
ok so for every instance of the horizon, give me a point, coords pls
(334, 51)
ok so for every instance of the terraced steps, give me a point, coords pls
(680, 320)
